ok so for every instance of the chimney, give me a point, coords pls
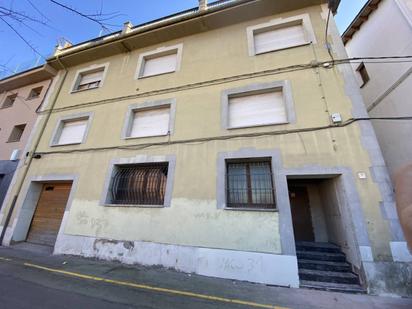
(127, 26)
(202, 5)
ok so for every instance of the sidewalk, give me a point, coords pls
(153, 287)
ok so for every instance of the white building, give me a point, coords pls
(383, 28)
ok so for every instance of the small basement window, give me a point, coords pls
(257, 108)
(363, 73)
(34, 93)
(72, 131)
(9, 101)
(139, 184)
(89, 80)
(249, 184)
(16, 133)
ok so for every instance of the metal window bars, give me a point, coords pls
(140, 184)
(249, 184)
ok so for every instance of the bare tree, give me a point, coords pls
(13, 17)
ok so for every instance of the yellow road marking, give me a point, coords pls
(153, 288)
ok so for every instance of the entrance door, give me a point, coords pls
(301, 216)
(49, 213)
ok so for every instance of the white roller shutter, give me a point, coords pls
(159, 65)
(279, 38)
(73, 132)
(258, 109)
(150, 122)
(88, 78)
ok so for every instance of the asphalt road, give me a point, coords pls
(38, 280)
(23, 288)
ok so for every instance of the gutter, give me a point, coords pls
(118, 36)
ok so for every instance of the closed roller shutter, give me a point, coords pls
(160, 65)
(257, 109)
(279, 38)
(49, 214)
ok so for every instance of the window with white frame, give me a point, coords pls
(150, 122)
(160, 61)
(89, 79)
(71, 131)
(280, 34)
(256, 108)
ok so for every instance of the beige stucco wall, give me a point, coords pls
(193, 218)
(23, 111)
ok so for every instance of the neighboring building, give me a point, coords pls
(383, 28)
(217, 141)
(20, 97)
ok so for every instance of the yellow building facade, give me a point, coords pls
(98, 124)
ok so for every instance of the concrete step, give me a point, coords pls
(321, 256)
(324, 265)
(328, 276)
(333, 287)
(317, 247)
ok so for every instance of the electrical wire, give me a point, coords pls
(225, 137)
(274, 71)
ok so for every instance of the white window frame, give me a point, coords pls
(279, 23)
(91, 68)
(283, 86)
(60, 125)
(161, 51)
(149, 105)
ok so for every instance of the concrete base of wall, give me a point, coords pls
(256, 267)
(389, 278)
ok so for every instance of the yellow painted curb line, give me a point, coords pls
(153, 288)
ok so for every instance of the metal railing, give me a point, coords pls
(142, 184)
(250, 185)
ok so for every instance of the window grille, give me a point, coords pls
(16, 133)
(90, 80)
(139, 184)
(250, 185)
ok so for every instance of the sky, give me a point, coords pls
(57, 22)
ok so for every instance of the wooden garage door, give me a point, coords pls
(49, 213)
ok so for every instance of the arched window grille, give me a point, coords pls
(139, 184)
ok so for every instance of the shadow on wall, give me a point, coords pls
(403, 191)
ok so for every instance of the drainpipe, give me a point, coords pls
(30, 157)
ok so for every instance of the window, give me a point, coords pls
(249, 184)
(151, 118)
(363, 74)
(72, 131)
(280, 34)
(139, 184)
(9, 101)
(253, 109)
(258, 105)
(279, 38)
(16, 133)
(34, 93)
(160, 61)
(150, 122)
(89, 79)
